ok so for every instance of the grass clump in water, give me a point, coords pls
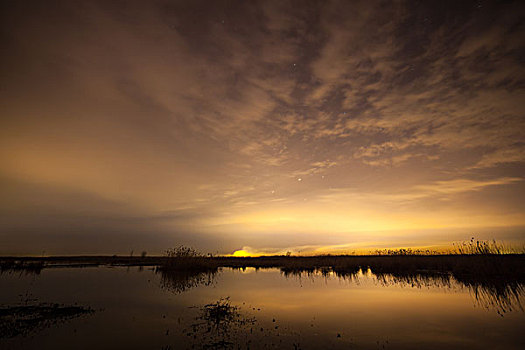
(23, 320)
(184, 258)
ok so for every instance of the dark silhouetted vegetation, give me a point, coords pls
(185, 268)
(26, 319)
(187, 259)
(21, 266)
(485, 267)
(223, 325)
(479, 247)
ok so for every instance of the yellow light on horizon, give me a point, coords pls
(241, 253)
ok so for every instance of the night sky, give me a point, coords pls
(303, 126)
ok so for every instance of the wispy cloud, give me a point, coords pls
(171, 109)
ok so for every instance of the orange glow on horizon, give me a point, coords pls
(241, 253)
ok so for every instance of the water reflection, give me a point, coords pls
(499, 293)
(502, 297)
(294, 308)
(496, 293)
(179, 281)
(20, 267)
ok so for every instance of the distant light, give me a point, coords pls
(299, 179)
(241, 253)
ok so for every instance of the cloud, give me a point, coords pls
(455, 186)
(501, 156)
(431, 92)
(189, 115)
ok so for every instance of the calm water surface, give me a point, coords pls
(139, 309)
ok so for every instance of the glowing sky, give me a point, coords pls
(269, 125)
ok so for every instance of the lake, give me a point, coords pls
(138, 308)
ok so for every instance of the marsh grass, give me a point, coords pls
(496, 281)
(481, 247)
(223, 325)
(23, 320)
(184, 268)
(485, 267)
(221, 315)
(22, 267)
(218, 324)
(184, 258)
